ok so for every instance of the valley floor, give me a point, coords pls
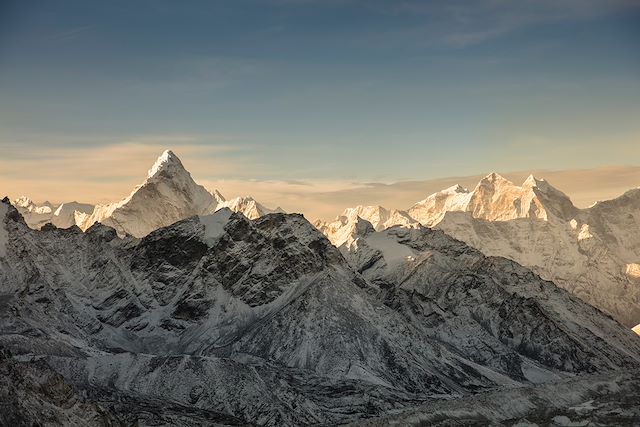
(590, 400)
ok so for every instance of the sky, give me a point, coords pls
(310, 102)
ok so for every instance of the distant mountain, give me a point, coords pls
(593, 252)
(248, 206)
(340, 230)
(167, 195)
(62, 216)
(496, 199)
(235, 321)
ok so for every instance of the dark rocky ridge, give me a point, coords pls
(269, 324)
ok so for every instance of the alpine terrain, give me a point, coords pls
(255, 317)
(167, 195)
(594, 253)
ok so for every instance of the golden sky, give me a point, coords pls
(109, 173)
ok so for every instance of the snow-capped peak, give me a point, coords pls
(494, 177)
(169, 194)
(23, 202)
(167, 161)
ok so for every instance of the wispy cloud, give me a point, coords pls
(462, 23)
(70, 33)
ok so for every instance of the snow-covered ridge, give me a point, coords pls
(345, 226)
(168, 194)
(166, 160)
(591, 252)
(495, 199)
(62, 216)
(247, 206)
(214, 224)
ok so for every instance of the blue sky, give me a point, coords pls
(310, 90)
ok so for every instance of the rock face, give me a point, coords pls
(34, 394)
(605, 400)
(594, 252)
(169, 194)
(230, 320)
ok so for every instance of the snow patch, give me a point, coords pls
(584, 232)
(214, 225)
(160, 163)
(633, 270)
(393, 252)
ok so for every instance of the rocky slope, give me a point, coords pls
(605, 400)
(33, 394)
(231, 320)
(594, 252)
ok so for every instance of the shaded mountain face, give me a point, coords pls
(32, 393)
(610, 400)
(264, 321)
(594, 253)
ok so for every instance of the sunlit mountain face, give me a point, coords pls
(301, 212)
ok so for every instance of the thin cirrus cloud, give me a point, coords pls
(464, 23)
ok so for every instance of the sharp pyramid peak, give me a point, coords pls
(167, 160)
(494, 176)
(532, 181)
(494, 180)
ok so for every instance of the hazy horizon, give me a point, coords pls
(320, 199)
(294, 101)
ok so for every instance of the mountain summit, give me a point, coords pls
(168, 164)
(169, 194)
(495, 198)
(591, 252)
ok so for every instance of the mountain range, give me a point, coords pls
(177, 307)
(168, 194)
(594, 252)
